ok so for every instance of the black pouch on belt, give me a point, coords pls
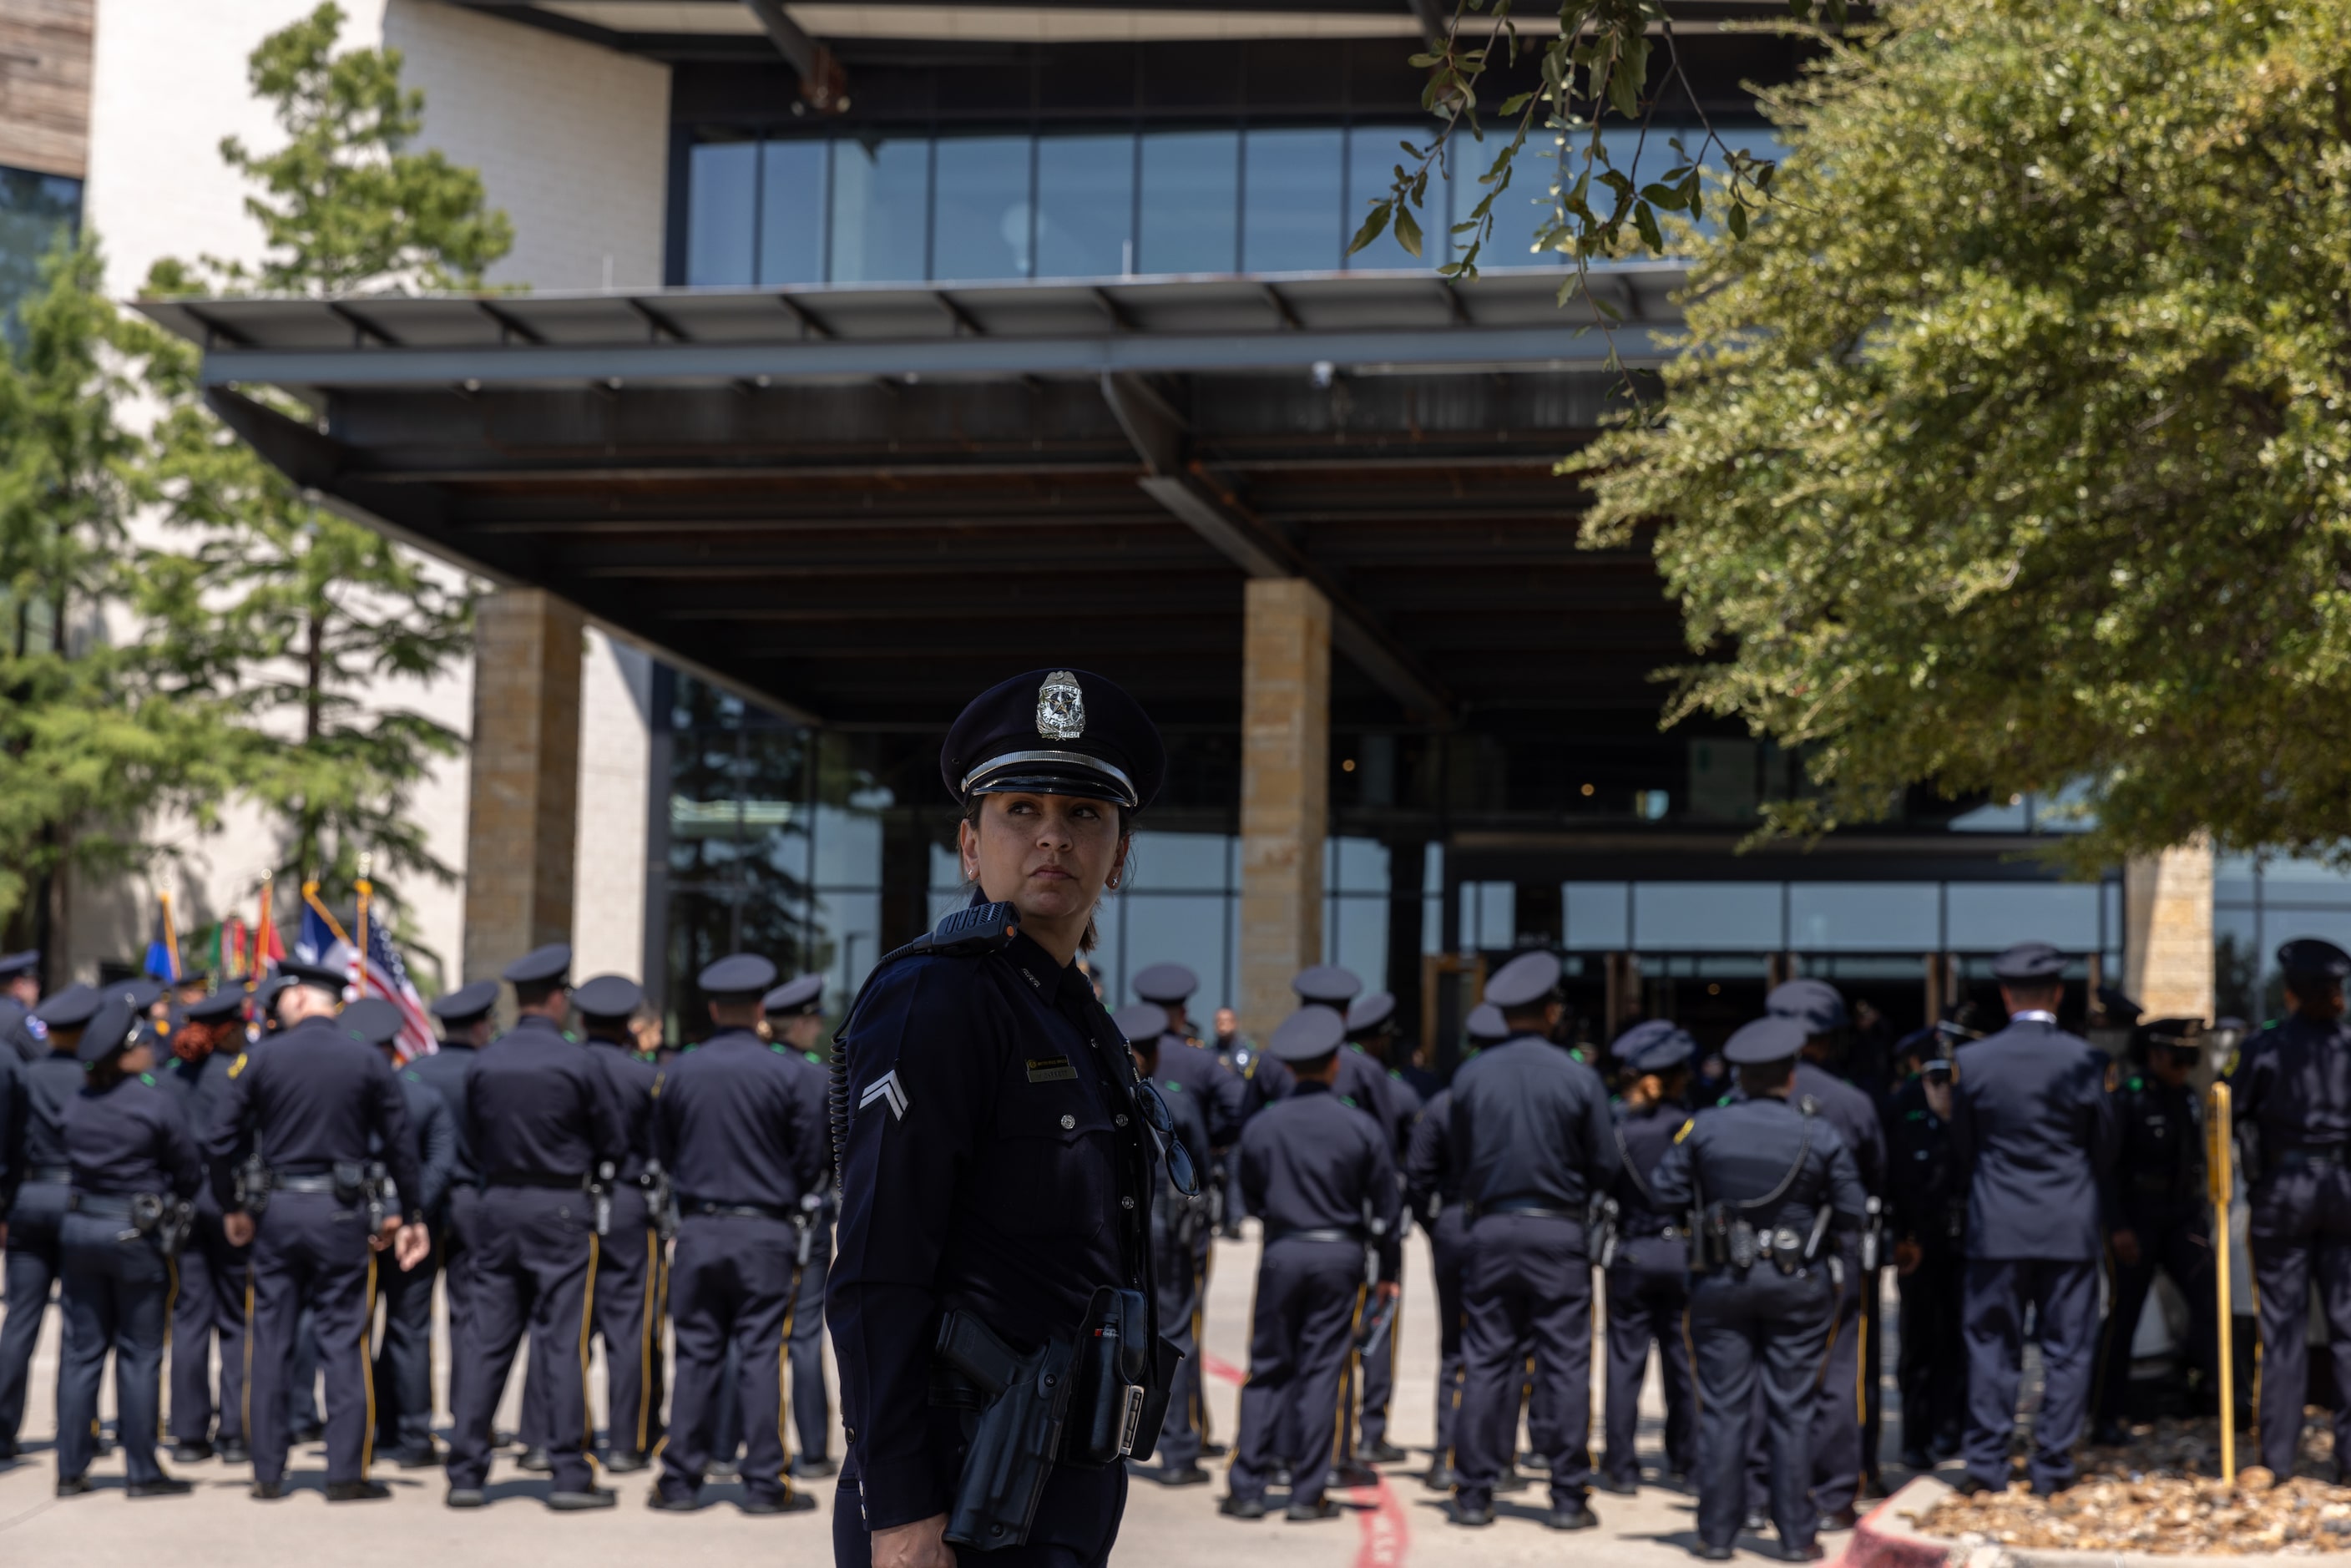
(1113, 1372)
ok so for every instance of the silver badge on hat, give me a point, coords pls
(1061, 707)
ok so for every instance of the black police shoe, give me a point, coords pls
(162, 1486)
(1351, 1473)
(72, 1486)
(788, 1503)
(721, 1471)
(1282, 1477)
(1241, 1507)
(1970, 1486)
(1473, 1515)
(1612, 1484)
(233, 1452)
(661, 1501)
(308, 1432)
(1873, 1488)
(1810, 1551)
(1579, 1516)
(1756, 1522)
(534, 1459)
(581, 1502)
(808, 1467)
(1305, 1512)
(7, 1449)
(1215, 1450)
(2109, 1434)
(267, 1492)
(357, 1491)
(1843, 1519)
(190, 1450)
(1678, 1478)
(1384, 1453)
(1440, 1478)
(419, 1458)
(465, 1497)
(625, 1461)
(1179, 1475)
(1712, 1553)
(1917, 1459)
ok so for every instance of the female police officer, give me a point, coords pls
(996, 1167)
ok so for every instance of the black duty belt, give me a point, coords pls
(1534, 1208)
(2313, 1156)
(2155, 1184)
(1327, 1233)
(734, 1210)
(1663, 1233)
(100, 1205)
(48, 1176)
(535, 1178)
(302, 1181)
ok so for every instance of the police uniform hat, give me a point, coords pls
(14, 963)
(293, 973)
(1169, 985)
(1627, 1047)
(1141, 1022)
(540, 965)
(608, 997)
(1327, 985)
(2119, 1009)
(70, 1007)
(738, 977)
(1814, 1003)
(1765, 1040)
(804, 994)
(1054, 732)
(218, 1008)
(2029, 961)
(264, 995)
(1371, 1014)
(1310, 1034)
(112, 1027)
(371, 1020)
(462, 1006)
(2314, 958)
(2177, 1034)
(1485, 1025)
(1665, 1053)
(1527, 981)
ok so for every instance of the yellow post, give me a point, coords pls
(2219, 1148)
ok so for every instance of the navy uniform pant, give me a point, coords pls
(1448, 1251)
(1308, 1293)
(1754, 1333)
(2063, 1294)
(1178, 1264)
(115, 1299)
(533, 1259)
(463, 1206)
(33, 1260)
(734, 1283)
(1376, 1361)
(1529, 1278)
(2174, 1240)
(307, 1251)
(403, 1360)
(811, 1406)
(1932, 1369)
(208, 1306)
(1075, 1527)
(2301, 1235)
(1648, 1291)
(627, 1319)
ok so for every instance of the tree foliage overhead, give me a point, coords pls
(2012, 450)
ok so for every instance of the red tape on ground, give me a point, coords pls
(1387, 1534)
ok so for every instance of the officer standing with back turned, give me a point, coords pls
(39, 1179)
(628, 1259)
(795, 1018)
(1179, 1227)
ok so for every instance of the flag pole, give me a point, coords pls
(365, 889)
(2220, 1149)
(171, 937)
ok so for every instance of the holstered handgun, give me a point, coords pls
(1606, 1223)
(375, 1182)
(660, 1200)
(600, 1196)
(1873, 1231)
(252, 1185)
(1011, 1453)
(805, 1223)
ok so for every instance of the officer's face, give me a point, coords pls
(2170, 1067)
(1048, 856)
(2319, 1000)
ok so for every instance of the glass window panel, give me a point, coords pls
(1490, 914)
(1176, 928)
(881, 203)
(1085, 206)
(1998, 816)
(2238, 964)
(36, 210)
(791, 212)
(1294, 188)
(1432, 898)
(720, 207)
(1373, 155)
(1191, 200)
(1595, 916)
(1355, 865)
(980, 228)
(1706, 916)
(848, 938)
(1163, 862)
(1865, 916)
(2234, 879)
(1358, 939)
(848, 848)
(1988, 916)
(2288, 884)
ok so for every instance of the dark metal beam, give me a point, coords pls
(823, 82)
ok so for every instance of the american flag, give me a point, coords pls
(324, 941)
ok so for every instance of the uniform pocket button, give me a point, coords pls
(1069, 1124)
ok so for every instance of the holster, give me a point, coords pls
(1019, 1435)
(253, 1186)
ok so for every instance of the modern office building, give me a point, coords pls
(876, 351)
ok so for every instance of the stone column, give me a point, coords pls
(523, 819)
(1285, 791)
(2168, 932)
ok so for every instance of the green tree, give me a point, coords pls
(97, 735)
(297, 614)
(2010, 451)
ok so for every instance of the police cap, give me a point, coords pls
(1141, 1022)
(1527, 981)
(265, 995)
(1665, 1054)
(218, 1008)
(1814, 1003)
(14, 963)
(70, 1007)
(2314, 958)
(738, 977)
(464, 1005)
(2119, 1009)
(1765, 1040)
(143, 994)
(318, 975)
(112, 1027)
(540, 965)
(804, 994)
(1327, 985)
(1627, 1047)
(1371, 1014)
(1169, 985)
(608, 997)
(1485, 1025)
(2177, 1034)
(2029, 961)
(1310, 1033)
(372, 1020)
(1054, 732)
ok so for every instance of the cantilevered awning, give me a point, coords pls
(854, 502)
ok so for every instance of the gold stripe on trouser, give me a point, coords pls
(645, 1356)
(661, 1263)
(1200, 1343)
(1861, 1361)
(587, 1316)
(246, 1393)
(367, 1370)
(1836, 1305)
(1350, 1381)
(2253, 1276)
(170, 1303)
(783, 1394)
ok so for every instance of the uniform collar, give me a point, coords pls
(536, 1020)
(2035, 1015)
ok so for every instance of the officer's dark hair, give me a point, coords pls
(105, 1074)
(1761, 1078)
(534, 993)
(1087, 943)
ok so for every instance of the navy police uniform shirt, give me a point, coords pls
(309, 1098)
(1372, 1087)
(130, 1138)
(537, 1110)
(1531, 1123)
(2033, 1133)
(21, 1030)
(47, 1086)
(200, 1086)
(736, 1122)
(630, 1085)
(1185, 1110)
(432, 1143)
(1642, 1139)
(1853, 1114)
(444, 1071)
(2159, 1148)
(989, 1104)
(1313, 1163)
(1742, 1151)
(1432, 1176)
(1923, 1191)
(12, 1088)
(1195, 1073)
(2292, 1086)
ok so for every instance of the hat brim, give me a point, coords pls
(1051, 773)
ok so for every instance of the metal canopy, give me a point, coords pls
(854, 503)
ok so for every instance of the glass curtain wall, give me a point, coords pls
(2259, 903)
(37, 213)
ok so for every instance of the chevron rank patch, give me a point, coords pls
(886, 1090)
